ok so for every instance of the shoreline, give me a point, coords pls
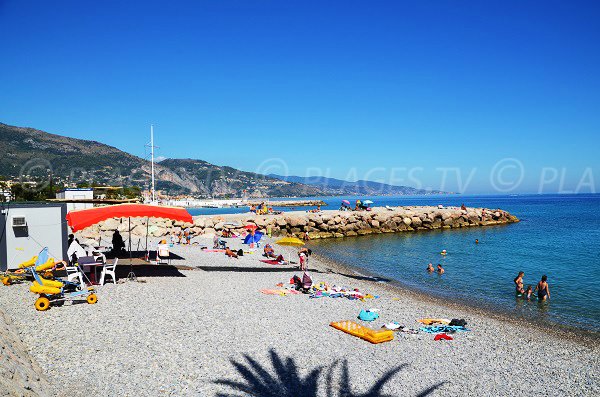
(571, 333)
(183, 333)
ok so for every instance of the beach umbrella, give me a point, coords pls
(80, 219)
(253, 238)
(290, 242)
(346, 202)
(367, 202)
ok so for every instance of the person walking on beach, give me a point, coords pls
(519, 283)
(440, 269)
(543, 289)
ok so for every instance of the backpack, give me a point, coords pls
(457, 322)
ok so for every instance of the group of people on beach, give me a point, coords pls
(542, 288)
(181, 236)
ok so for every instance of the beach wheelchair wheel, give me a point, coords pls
(42, 303)
(6, 280)
(92, 298)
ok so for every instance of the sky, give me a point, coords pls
(469, 96)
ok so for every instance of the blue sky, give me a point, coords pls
(497, 96)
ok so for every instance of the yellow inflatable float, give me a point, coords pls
(368, 334)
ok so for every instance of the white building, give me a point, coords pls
(26, 228)
(76, 194)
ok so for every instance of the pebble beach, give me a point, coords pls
(210, 332)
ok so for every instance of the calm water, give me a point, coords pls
(559, 235)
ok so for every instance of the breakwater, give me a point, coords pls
(324, 224)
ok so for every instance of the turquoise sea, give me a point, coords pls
(559, 236)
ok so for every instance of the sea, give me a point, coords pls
(558, 236)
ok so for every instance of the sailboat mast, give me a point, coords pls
(152, 154)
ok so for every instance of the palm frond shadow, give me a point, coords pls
(286, 380)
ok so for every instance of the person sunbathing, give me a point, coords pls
(269, 252)
(230, 253)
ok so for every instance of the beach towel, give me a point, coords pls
(213, 250)
(442, 337)
(271, 261)
(436, 329)
(280, 292)
(431, 321)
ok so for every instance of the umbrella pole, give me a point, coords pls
(147, 223)
(131, 275)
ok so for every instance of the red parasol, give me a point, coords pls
(80, 219)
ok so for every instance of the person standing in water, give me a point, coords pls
(519, 283)
(440, 269)
(543, 289)
(430, 268)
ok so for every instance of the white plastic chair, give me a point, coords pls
(74, 273)
(109, 269)
(163, 254)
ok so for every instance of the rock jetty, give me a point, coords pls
(324, 224)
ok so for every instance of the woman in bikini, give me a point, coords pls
(519, 283)
(543, 289)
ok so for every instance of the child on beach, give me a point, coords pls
(529, 291)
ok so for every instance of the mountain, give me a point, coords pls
(34, 155)
(332, 186)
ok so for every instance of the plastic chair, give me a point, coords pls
(163, 254)
(74, 273)
(109, 269)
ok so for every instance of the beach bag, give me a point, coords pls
(240, 252)
(297, 282)
(306, 281)
(368, 315)
(458, 323)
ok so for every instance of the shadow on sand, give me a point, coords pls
(286, 380)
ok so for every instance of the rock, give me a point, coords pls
(407, 221)
(109, 224)
(416, 221)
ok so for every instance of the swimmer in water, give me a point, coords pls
(529, 291)
(443, 252)
(430, 268)
(542, 288)
(476, 241)
(440, 269)
(519, 283)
